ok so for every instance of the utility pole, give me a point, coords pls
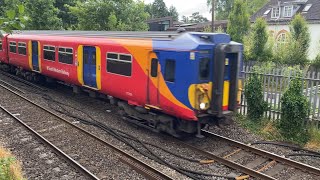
(212, 11)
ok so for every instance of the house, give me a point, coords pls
(279, 13)
(199, 27)
(160, 24)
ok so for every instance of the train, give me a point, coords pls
(172, 82)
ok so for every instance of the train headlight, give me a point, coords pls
(202, 106)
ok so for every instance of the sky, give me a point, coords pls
(187, 7)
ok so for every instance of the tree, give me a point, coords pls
(185, 19)
(238, 21)
(13, 19)
(69, 21)
(197, 18)
(300, 33)
(148, 9)
(95, 15)
(259, 36)
(255, 5)
(159, 9)
(223, 7)
(43, 15)
(294, 112)
(112, 22)
(174, 13)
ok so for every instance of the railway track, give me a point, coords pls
(59, 134)
(266, 166)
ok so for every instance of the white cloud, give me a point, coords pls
(187, 7)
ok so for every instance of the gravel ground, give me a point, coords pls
(37, 160)
(234, 131)
(104, 163)
(106, 113)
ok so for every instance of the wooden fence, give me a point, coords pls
(276, 82)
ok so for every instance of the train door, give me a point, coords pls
(89, 66)
(153, 81)
(35, 55)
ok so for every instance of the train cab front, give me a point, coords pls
(217, 91)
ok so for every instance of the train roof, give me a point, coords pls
(161, 40)
(95, 34)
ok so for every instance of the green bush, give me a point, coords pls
(255, 98)
(294, 109)
(316, 62)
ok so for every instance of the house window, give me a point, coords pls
(287, 11)
(66, 55)
(306, 8)
(119, 64)
(170, 70)
(0, 45)
(275, 12)
(282, 38)
(49, 53)
(22, 48)
(13, 47)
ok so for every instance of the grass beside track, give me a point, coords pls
(268, 130)
(10, 168)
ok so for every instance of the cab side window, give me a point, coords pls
(170, 70)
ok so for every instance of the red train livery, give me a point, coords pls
(171, 82)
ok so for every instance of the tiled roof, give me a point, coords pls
(312, 15)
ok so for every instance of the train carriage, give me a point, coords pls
(172, 82)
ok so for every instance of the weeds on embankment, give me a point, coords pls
(10, 168)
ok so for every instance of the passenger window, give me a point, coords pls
(49, 53)
(204, 68)
(13, 47)
(119, 64)
(154, 67)
(0, 45)
(66, 55)
(22, 48)
(170, 68)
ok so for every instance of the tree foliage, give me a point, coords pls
(238, 21)
(125, 15)
(294, 112)
(69, 21)
(174, 13)
(42, 15)
(13, 19)
(255, 98)
(159, 9)
(258, 47)
(197, 18)
(300, 34)
(224, 7)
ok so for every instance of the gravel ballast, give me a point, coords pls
(107, 114)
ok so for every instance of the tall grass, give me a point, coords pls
(10, 169)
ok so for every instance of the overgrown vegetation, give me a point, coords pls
(294, 113)
(255, 98)
(10, 169)
(238, 21)
(257, 46)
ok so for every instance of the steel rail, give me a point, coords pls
(228, 163)
(289, 162)
(135, 163)
(67, 158)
